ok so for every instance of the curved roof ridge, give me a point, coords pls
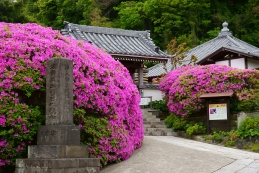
(112, 31)
(235, 42)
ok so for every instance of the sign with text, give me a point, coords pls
(145, 100)
(218, 111)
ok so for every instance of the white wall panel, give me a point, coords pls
(155, 93)
(238, 63)
(222, 62)
(252, 63)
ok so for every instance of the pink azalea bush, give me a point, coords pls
(106, 102)
(182, 87)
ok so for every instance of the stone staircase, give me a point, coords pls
(154, 126)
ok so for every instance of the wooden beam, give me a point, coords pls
(246, 63)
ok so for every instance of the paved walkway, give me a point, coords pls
(168, 154)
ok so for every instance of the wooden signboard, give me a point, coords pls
(218, 108)
(145, 101)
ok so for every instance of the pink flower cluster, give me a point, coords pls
(17, 123)
(182, 87)
(101, 84)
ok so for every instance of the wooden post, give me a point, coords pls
(208, 118)
(228, 112)
(140, 80)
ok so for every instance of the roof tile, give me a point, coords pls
(116, 41)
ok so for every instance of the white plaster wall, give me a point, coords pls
(222, 62)
(238, 63)
(155, 93)
(252, 63)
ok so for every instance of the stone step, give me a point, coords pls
(58, 165)
(153, 122)
(155, 126)
(160, 133)
(150, 112)
(144, 111)
(148, 116)
(151, 119)
(172, 133)
(158, 129)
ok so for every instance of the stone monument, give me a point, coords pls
(58, 148)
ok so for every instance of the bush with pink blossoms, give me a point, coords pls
(106, 102)
(182, 87)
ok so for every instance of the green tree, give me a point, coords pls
(12, 11)
(48, 11)
(172, 18)
(53, 13)
(132, 15)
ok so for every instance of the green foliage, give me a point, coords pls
(131, 15)
(216, 137)
(54, 13)
(194, 129)
(254, 147)
(230, 143)
(95, 129)
(176, 122)
(190, 21)
(249, 127)
(178, 59)
(12, 11)
(150, 64)
(21, 125)
(212, 33)
(160, 105)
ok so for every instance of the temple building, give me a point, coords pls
(224, 49)
(131, 48)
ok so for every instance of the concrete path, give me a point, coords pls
(168, 154)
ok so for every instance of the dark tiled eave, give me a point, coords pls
(138, 58)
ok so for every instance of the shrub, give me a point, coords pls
(176, 122)
(216, 137)
(230, 143)
(249, 127)
(106, 102)
(182, 87)
(254, 147)
(197, 128)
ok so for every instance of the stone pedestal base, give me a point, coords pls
(58, 135)
(57, 151)
(64, 165)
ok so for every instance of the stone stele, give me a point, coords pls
(58, 148)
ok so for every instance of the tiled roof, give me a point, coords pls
(158, 70)
(124, 44)
(151, 86)
(224, 40)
